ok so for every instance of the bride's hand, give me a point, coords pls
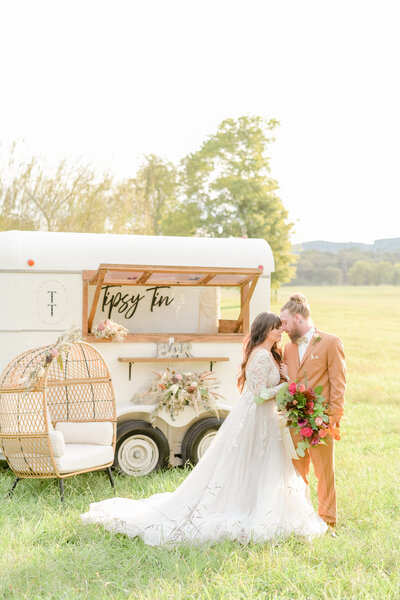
(283, 370)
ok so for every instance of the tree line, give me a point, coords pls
(223, 189)
(348, 266)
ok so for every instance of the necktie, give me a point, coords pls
(301, 340)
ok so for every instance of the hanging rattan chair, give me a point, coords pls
(66, 423)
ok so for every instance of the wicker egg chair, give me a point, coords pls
(66, 423)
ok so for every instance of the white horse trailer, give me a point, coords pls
(167, 291)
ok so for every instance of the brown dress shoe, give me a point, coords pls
(332, 530)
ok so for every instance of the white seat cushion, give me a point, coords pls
(41, 447)
(100, 433)
(79, 457)
(51, 428)
(57, 443)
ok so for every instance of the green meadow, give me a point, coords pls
(45, 552)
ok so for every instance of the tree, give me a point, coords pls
(382, 273)
(361, 272)
(145, 201)
(68, 197)
(227, 189)
(396, 274)
(317, 268)
(331, 276)
(10, 209)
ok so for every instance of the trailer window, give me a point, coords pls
(152, 301)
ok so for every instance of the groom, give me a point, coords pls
(317, 358)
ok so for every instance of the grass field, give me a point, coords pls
(46, 553)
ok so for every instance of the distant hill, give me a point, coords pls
(331, 263)
(385, 245)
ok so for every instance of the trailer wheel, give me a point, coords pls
(198, 438)
(140, 449)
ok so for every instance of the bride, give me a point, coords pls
(245, 486)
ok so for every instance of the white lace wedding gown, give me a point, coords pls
(244, 487)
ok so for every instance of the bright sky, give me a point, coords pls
(112, 80)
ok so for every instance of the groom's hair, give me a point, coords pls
(298, 304)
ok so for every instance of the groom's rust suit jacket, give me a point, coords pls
(323, 364)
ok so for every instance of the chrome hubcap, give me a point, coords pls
(205, 443)
(138, 455)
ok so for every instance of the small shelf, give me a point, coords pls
(132, 359)
(172, 359)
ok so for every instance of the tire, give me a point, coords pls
(141, 449)
(198, 438)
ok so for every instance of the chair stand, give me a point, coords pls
(111, 478)
(61, 489)
(14, 485)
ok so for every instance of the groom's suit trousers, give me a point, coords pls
(322, 458)
(322, 364)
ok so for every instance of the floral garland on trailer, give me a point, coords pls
(174, 391)
(110, 329)
(31, 379)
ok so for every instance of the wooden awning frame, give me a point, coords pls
(244, 278)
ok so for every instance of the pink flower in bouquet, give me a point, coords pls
(54, 352)
(323, 433)
(302, 388)
(302, 422)
(101, 326)
(292, 388)
(179, 377)
(315, 441)
(318, 421)
(306, 431)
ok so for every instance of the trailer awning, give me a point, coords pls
(160, 275)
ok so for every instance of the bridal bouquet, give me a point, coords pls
(304, 411)
(174, 391)
(110, 329)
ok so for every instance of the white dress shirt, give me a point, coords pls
(303, 346)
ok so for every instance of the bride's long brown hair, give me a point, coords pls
(260, 328)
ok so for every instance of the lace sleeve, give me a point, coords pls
(264, 374)
(271, 392)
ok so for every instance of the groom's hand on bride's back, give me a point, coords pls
(283, 370)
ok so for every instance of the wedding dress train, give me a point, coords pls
(244, 487)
